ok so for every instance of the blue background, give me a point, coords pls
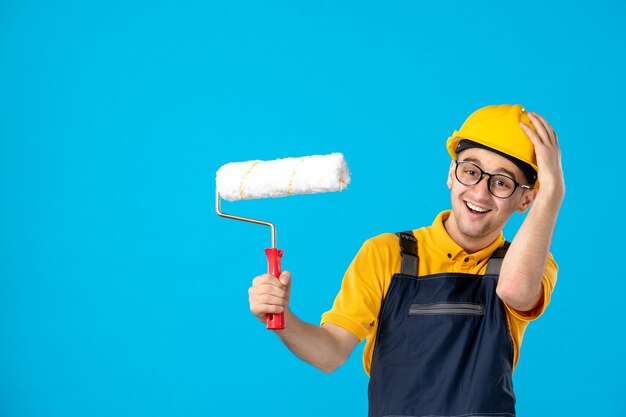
(123, 294)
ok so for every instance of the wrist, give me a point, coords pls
(548, 201)
(551, 190)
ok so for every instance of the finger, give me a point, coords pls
(548, 127)
(265, 300)
(556, 139)
(542, 132)
(534, 137)
(285, 278)
(266, 289)
(267, 279)
(262, 310)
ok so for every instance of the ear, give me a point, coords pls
(451, 174)
(527, 199)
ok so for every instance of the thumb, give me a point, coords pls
(285, 278)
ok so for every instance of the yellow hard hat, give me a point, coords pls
(497, 127)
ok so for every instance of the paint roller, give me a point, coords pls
(278, 178)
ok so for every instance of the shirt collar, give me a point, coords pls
(451, 249)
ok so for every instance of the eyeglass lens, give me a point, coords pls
(499, 185)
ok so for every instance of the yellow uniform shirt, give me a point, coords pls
(366, 281)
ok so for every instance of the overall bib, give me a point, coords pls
(443, 346)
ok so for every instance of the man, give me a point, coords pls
(444, 308)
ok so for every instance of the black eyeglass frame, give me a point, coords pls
(482, 174)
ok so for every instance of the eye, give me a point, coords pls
(470, 172)
(502, 183)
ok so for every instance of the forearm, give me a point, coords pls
(325, 347)
(525, 262)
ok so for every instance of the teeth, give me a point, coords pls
(476, 208)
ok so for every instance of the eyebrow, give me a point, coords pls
(498, 171)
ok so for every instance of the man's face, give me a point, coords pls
(478, 216)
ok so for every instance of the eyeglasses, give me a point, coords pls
(499, 185)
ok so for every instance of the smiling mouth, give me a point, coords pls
(476, 209)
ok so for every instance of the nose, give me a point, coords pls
(482, 187)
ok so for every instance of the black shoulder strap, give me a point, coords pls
(408, 250)
(495, 261)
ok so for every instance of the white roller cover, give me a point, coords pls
(282, 177)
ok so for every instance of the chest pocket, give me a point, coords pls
(471, 309)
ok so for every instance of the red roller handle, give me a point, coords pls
(274, 256)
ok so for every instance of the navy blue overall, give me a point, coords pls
(443, 346)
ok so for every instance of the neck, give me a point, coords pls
(470, 244)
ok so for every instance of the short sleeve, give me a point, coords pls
(358, 302)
